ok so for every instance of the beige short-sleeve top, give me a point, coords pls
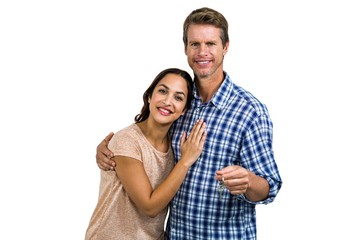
(116, 216)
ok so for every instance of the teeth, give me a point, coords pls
(164, 110)
(203, 62)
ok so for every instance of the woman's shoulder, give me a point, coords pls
(129, 134)
(128, 139)
(130, 130)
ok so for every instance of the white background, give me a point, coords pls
(72, 71)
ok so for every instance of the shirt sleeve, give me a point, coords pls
(258, 155)
(125, 143)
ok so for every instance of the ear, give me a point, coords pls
(226, 48)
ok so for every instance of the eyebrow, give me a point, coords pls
(179, 92)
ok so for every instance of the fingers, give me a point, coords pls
(232, 172)
(235, 177)
(104, 166)
(108, 137)
(104, 162)
(201, 131)
(228, 169)
(104, 155)
(198, 132)
(235, 185)
(183, 138)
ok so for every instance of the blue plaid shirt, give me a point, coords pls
(239, 131)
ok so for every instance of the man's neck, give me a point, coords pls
(208, 86)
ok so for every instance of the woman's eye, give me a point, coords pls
(162, 91)
(178, 98)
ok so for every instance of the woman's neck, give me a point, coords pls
(156, 134)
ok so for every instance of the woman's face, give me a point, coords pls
(168, 99)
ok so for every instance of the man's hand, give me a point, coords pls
(104, 155)
(239, 180)
(236, 178)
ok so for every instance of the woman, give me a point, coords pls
(133, 199)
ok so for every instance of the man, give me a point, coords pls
(237, 169)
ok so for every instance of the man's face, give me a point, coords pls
(204, 50)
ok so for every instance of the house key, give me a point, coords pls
(221, 188)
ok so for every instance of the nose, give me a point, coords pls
(166, 100)
(203, 49)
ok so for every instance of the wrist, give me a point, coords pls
(185, 163)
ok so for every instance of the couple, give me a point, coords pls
(232, 162)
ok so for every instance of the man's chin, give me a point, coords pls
(202, 73)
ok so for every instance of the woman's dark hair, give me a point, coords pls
(145, 111)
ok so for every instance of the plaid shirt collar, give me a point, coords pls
(220, 98)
